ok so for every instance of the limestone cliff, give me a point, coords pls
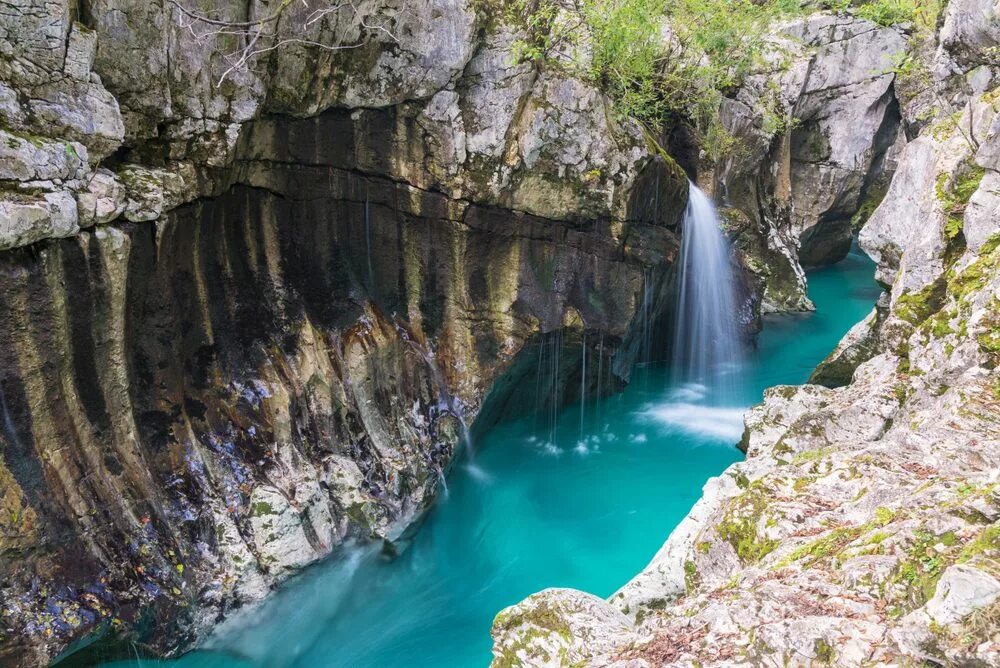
(249, 321)
(864, 526)
(818, 126)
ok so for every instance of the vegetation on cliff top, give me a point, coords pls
(665, 61)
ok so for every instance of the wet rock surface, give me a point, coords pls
(255, 379)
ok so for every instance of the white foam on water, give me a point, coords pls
(721, 423)
(478, 473)
(550, 449)
(637, 438)
(689, 392)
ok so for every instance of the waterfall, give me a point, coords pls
(554, 404)
(706, 341)
(368, 244)
(583, 382)
(647, 314)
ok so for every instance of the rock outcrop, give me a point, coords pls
(817, 129)
(864, 526)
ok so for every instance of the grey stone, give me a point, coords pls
(25, 220)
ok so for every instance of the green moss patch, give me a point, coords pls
(954, 194)
(739, 526)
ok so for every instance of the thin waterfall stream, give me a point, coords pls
(582, 497)
(707, 348)
(708, 356)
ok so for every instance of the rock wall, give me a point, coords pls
(249, 321)
(864, 526)
(817, 130)
(195, 409)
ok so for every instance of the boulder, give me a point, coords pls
(25, 219)
(961, 591)
(102, 200)
(33, 158)
(558, 627)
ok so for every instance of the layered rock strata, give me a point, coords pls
(250, 315)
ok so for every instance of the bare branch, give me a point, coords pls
(231, 24)
(269, 33)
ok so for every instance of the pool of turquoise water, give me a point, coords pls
(587, 509)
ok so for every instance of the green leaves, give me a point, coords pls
(628, 53)
(658, 60)
(893, 12)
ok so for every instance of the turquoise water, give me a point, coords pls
(587, 511)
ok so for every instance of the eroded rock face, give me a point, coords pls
(202, 431)
(201, 396)
(817, 126)
(252, 380)
(470, 122)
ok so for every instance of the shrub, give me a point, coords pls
(713, 46)
(922, 13)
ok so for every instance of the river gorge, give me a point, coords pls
(601, 485)
(621, 333)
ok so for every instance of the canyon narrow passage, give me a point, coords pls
(541, 504)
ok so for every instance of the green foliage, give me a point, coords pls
(824, 651)
(955, 193)
(989, 340)
(690, 575)
(922, 13)
(720, 43)
(888, 12)
(628, 54)
(831, 544)
(987, 542)
(923, 565)
(872, 199)
(739, 526)
(652, 72)
(916, 307)
(676, 60)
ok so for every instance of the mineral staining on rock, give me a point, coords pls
(863, 526)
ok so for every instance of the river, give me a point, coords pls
(586, 509)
